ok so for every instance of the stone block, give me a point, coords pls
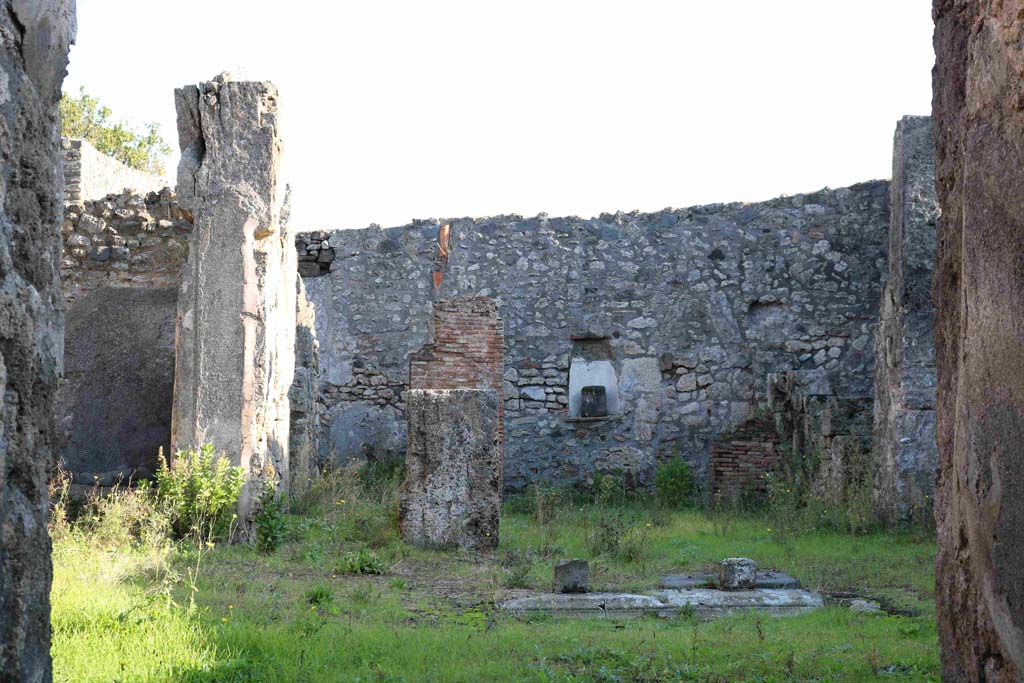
(572, 576)
(737, 573)
(451, 496)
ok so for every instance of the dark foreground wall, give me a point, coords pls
(34, 39)
(979, 295)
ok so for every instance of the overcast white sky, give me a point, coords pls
(394, 110)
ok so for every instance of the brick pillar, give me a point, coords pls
(467, 351)
(452, 491)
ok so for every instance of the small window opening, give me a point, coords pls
(593, 401)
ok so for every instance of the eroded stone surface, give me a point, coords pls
(572, 576)
(703, 603)
(767, 579)
(236, 305)
(115, 401)
(34, 41)
(304, 430)
(451, 496)
(737, 573)
(979, 296)
(906, 455)
(693, 306)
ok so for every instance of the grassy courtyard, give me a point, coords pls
(343, 599)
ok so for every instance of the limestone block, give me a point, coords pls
(452, 491)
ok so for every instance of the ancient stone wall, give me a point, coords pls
(91, 174)
(236, 319)
(826, 437)
(34, 41)
(120, 268)
(906, 455)
(679, 315)
(131, 239)
(979, 298)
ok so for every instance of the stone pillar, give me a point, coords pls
(979, 297)
(34, 41)
(235, 327)
(304, 448)
(904, 415)
(451, 496)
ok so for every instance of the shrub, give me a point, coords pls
(608, 489)
(515, 569)
(675, 484)
(546, 501)
(198, 491)
(271, 527)
(616, 536)
(122, 518)
(361, 562)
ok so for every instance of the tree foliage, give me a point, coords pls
(86, 118)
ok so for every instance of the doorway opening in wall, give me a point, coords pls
(593, 383)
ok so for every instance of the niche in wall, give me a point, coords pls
(593, 385)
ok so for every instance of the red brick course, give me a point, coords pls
(467, 352)
(738, 465)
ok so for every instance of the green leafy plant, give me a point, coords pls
(198, 490)
(675, 483)
(85, 118)
(271, 527)
(319, 595)
(362, 562)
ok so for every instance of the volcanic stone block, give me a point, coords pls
(979, 296)
(737, 573)
(236, 304)
(572, 576)
(904, 413)
(452, 490)
(34, 40)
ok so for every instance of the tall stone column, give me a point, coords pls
(235, 329)
(34, 41)
(978, 112)
(904, 417)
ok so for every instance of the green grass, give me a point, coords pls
(127, 613)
